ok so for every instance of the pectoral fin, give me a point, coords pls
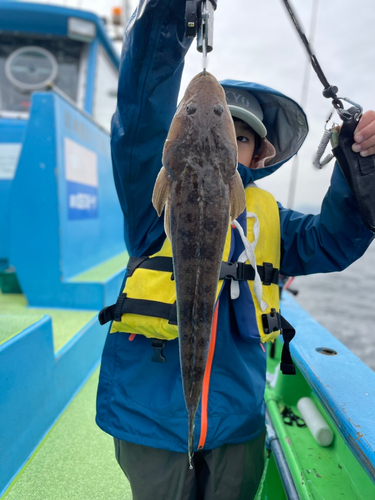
(237, 197)
(161, 190)
(167, 221)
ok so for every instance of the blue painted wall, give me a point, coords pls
(53, 237)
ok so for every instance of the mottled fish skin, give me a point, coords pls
(202, 189)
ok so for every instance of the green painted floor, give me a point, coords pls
(75, 461)
(15, 316)
(13, 324)
(103, 271)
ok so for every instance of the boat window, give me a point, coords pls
(27, 64)
(106, 80)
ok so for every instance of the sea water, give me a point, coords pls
(344, 303)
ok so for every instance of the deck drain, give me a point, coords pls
(326, 350)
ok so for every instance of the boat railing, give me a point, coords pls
(343, 384)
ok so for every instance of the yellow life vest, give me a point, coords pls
(149, 295)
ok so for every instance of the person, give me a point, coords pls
(140, 402)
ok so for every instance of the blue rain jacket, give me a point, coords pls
(142, 401)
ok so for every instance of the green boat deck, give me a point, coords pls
(318, 472)
(75, 461)
(16, 316)
(102, 272)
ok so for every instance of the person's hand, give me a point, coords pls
(364, 135)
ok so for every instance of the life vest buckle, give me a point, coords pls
(232, 270)
(268, 273)
(158, 346)
(271, 322)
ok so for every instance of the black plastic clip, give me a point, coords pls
(271, 322)
(232, 270)
(192, 18)
(268, 273)
(158, 346)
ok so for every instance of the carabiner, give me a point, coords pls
(345, 115)
(324, 143)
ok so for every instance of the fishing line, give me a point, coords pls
(358, 171)
(330, 91)
(303, 102)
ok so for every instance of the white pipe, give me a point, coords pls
(318, 427)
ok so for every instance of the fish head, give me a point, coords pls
(202, 126)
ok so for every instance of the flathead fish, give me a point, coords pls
(201, 189)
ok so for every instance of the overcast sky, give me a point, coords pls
(256, 41)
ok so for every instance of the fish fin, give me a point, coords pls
(237, 197)
(167, 220)
(161, 190)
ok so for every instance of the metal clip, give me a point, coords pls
(323, 146)
(346, 115)
(205, 35)
(332, 134)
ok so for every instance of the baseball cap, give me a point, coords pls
(243, 105)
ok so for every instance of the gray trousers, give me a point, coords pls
(231, 472)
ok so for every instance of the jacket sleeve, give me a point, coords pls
(327, 242)
(152, 58)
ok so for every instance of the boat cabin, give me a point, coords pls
(45, 46)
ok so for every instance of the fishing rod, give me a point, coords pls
(359, 171)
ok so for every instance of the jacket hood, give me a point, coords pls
(285, 121)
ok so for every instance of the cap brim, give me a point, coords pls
(248, 118)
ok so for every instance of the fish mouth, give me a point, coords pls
(205, 75)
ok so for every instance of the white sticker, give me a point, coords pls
(80, 164)
(9, 155)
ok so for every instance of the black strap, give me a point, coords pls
(287, 366)
(106, 314)
(274, 322)
(152, 308)
(237, 271)
(164, 264)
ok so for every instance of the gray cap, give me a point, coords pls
(243, 105)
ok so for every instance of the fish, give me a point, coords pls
(201, 190)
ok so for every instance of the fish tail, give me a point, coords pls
(191, 438)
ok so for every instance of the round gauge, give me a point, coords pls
(30, 68)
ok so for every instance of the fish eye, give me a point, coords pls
(191, 109)
(218, 109)
(242, 138)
